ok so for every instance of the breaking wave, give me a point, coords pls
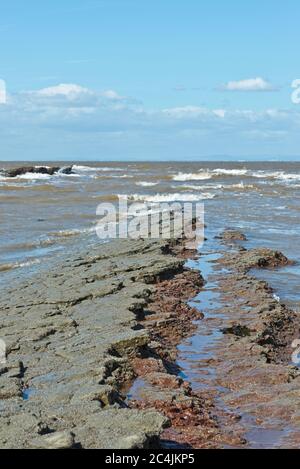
(230, 172)
(146, 184)
(195, 187)
(82, 168)
(33, 176)
(178, 197)
(219, 172)
(281, 175)
(181, 177)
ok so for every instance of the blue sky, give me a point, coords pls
(139, 79)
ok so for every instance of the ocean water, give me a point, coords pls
(44, 217)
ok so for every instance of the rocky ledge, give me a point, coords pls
(72, 336)
(50, 170)
(253, 397)
(83, 336)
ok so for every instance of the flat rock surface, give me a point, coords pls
(108, 323)
(69, 335)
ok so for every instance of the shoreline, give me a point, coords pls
(104, 324)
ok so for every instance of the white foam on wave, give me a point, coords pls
(71, 232)
(201, 176)
(277, 298)
(230, 172)
(209, 174)
(146, 184)
(178, 197)
(280, 175)
(83, 168)
(116, 176)
(240, 186)
(287, 176)
(197, 187)
(223, 172)
(33, 176)
(202, 187)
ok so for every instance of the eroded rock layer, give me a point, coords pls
(109, 321)
(70, 334)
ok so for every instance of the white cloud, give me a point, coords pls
(185, 112)
(111, 94)
(76, 96)
(220, 113)
(68, 90)
(71, 106)
(68, 113)
(251, 84)
(194, 113)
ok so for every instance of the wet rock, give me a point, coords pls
(57, 440)
(144, 366)
(256, 258)
(17, 426)
(255, 370)
(252, 370)
(164, 380)
(158, 386)
(159, 273)
(14, 370)
(171, 317)
(106, 395)
(76, 329)
(232, 235)
(50, 170)
(193, 422)
(110, 325)
(131, 344)
(66, 170)
(14, 172)
(10, 388)
(237, 330)
(122, 429)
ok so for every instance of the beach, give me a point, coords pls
(45, 215)
(149, 229)
(144, 343)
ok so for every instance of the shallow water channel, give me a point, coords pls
(196, 354)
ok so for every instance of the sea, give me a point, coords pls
(45, 218)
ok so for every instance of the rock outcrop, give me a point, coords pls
(71, 334)
(50, 170)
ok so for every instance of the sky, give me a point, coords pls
(149, 80)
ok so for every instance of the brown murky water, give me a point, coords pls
(47, 216)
